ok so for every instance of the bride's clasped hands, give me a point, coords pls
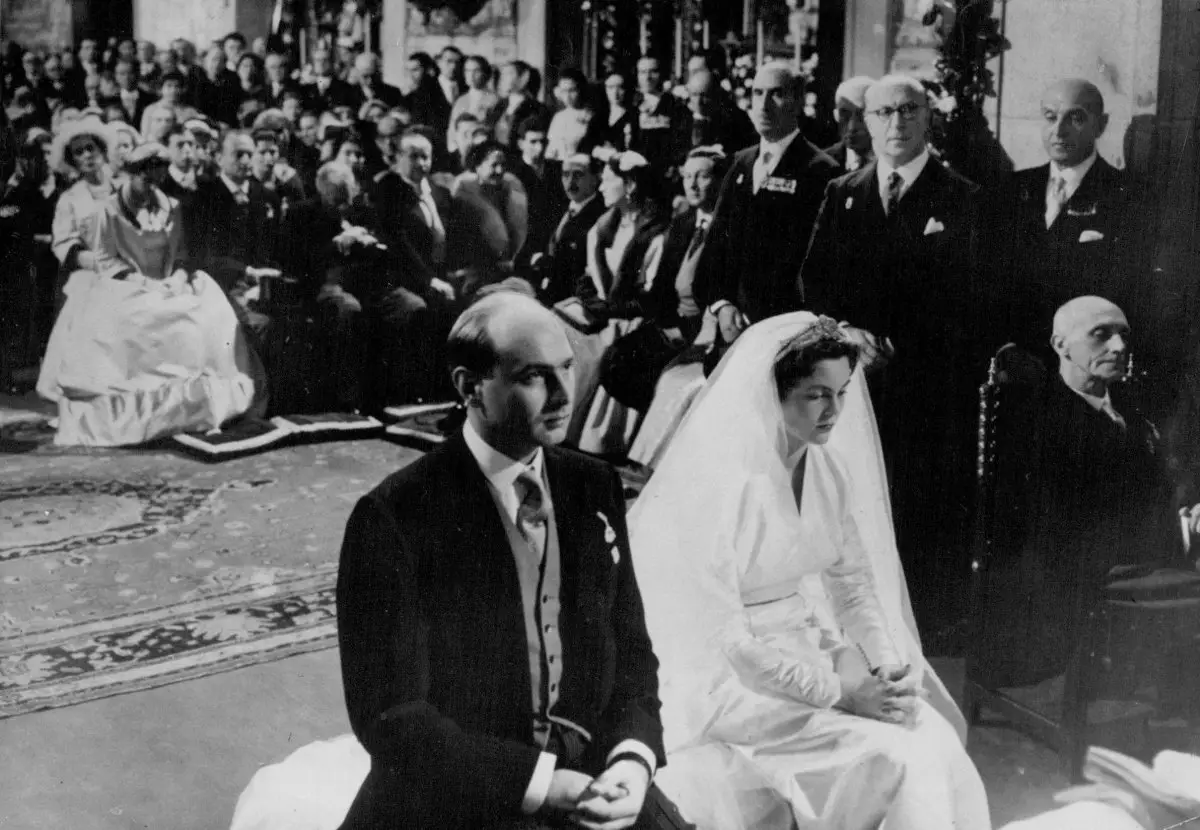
(887, 693)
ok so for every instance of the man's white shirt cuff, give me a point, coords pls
(638, 748)
(539, 784)
(716, 307)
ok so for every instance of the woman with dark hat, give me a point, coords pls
(143, 348)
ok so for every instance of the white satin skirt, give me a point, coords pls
(784, 764)
(136, 359)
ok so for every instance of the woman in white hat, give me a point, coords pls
(143, 348)
(80, 151)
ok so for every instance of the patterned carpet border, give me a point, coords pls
(243, 626)
(170, 645)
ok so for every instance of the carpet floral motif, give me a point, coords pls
(65, 516)
(127, 570)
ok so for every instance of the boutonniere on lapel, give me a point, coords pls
(933, 226)
(270, 212)
(849, 202)
(610, 537)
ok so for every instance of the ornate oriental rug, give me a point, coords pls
(122, 570)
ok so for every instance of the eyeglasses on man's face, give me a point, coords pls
(907, 112)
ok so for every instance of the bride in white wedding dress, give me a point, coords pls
(777, 606)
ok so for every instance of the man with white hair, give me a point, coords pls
(853, 149)
(370, 81)
(893, 253)
(765, 211)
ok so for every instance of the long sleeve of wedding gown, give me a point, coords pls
(851, 585)
(760, 664)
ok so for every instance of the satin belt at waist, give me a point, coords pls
(768, 594)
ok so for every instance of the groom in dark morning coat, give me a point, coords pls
(494, 653)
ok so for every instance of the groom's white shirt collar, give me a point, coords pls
(501, 471)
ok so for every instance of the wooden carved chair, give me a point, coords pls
(1116, 637)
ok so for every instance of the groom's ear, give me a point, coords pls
(466, 383)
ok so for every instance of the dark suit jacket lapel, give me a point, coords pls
(864, 188)
(916, 207)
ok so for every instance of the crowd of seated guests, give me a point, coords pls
(466, 177)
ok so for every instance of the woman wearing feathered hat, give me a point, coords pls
(142, 347)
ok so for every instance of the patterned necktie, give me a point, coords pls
(895, 186)
(532, 512)
(1056, 197)
(763, 168)
(697, 238)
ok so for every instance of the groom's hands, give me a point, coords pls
(614, 800)
(566, 788)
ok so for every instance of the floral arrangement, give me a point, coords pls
(970, 37)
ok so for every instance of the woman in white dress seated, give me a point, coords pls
(143, 348)
(777, 606)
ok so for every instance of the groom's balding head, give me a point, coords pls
(513, 367)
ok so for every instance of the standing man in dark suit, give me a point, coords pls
(494, 653)
(765, 212)
(542, 180)
(853, 149)
(1065, 229)
(218, 91)
(520, 84)
(133, 99)
(279, 80)
(715, 119)
(564, 260)
(370, 82)
(893, 253)
(664, 123)
(327, 91)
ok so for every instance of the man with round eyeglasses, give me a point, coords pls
(893, 253)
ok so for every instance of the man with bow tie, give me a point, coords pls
(413, 215)
(494, 652)
(234, 227)
(1064, 229)
(893, 252)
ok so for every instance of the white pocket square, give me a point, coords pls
(933, 226)
(1090, 236)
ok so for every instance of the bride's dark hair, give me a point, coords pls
(798, 358)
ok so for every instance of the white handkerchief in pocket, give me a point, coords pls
(1090, 236)
(933, 226)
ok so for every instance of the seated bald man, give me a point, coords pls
(1102, 516)
(1063, 229)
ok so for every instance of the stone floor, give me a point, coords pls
(177, 757)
